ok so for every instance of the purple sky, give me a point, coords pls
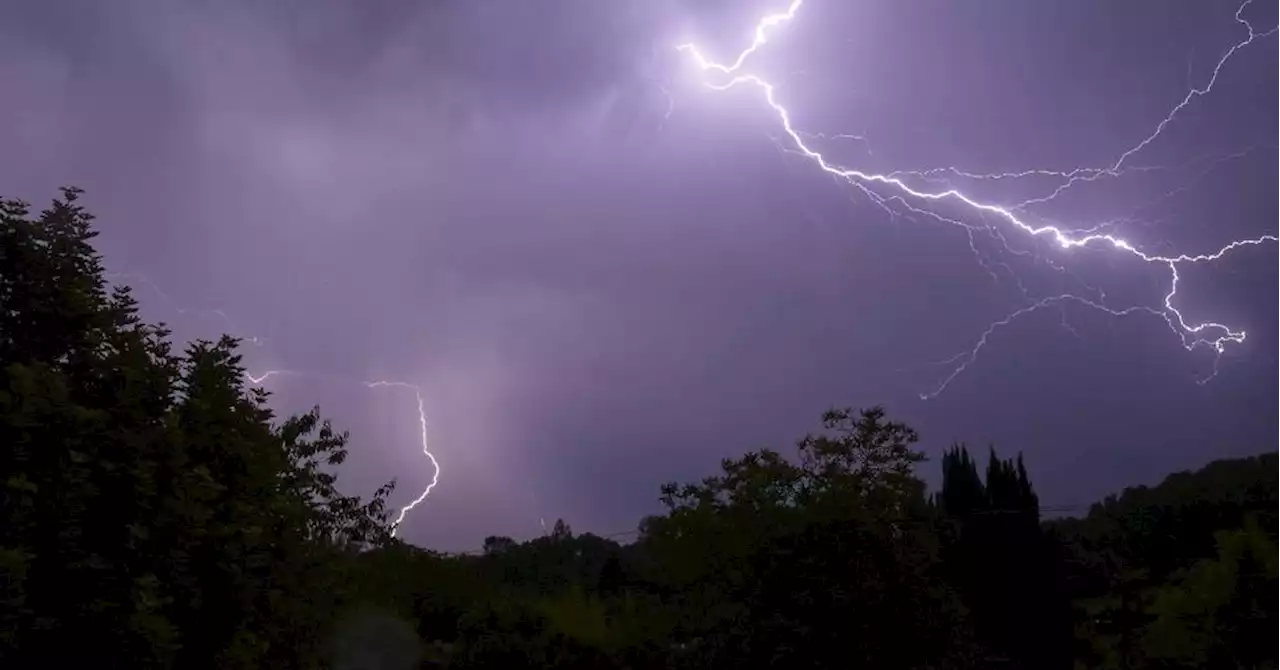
(490, 199)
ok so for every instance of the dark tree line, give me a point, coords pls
(156, 514)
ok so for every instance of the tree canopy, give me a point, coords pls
(154, 512)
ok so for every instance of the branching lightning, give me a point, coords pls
(893, 188)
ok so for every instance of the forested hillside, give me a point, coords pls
(1185, 570)
(156, 514)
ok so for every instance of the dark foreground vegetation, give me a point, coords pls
(156, 515)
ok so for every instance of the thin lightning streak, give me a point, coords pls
(1198, 92)
(968, 358)
(1216, 336)
(862, 139)
(435, 465)
(671, 105)
(185, 311)
(1089, 174)
(422, 422)
(260, 378)
(1215, 163)
(661, 85)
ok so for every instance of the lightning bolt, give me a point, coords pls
(422, 423)
(257, 379)
(435, 465)
(1214, 335)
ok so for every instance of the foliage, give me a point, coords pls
(152, 512)
(1138, 557)
(1220, 612)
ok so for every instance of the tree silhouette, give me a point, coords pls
(152, 512)
(1001, 562)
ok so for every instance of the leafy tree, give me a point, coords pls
(152, 514)
(1220, 613)
(496, 545)
(815, 564)
(1132, 547)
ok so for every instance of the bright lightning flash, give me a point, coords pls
(1213, 335)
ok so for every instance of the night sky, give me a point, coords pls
(605, 275)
